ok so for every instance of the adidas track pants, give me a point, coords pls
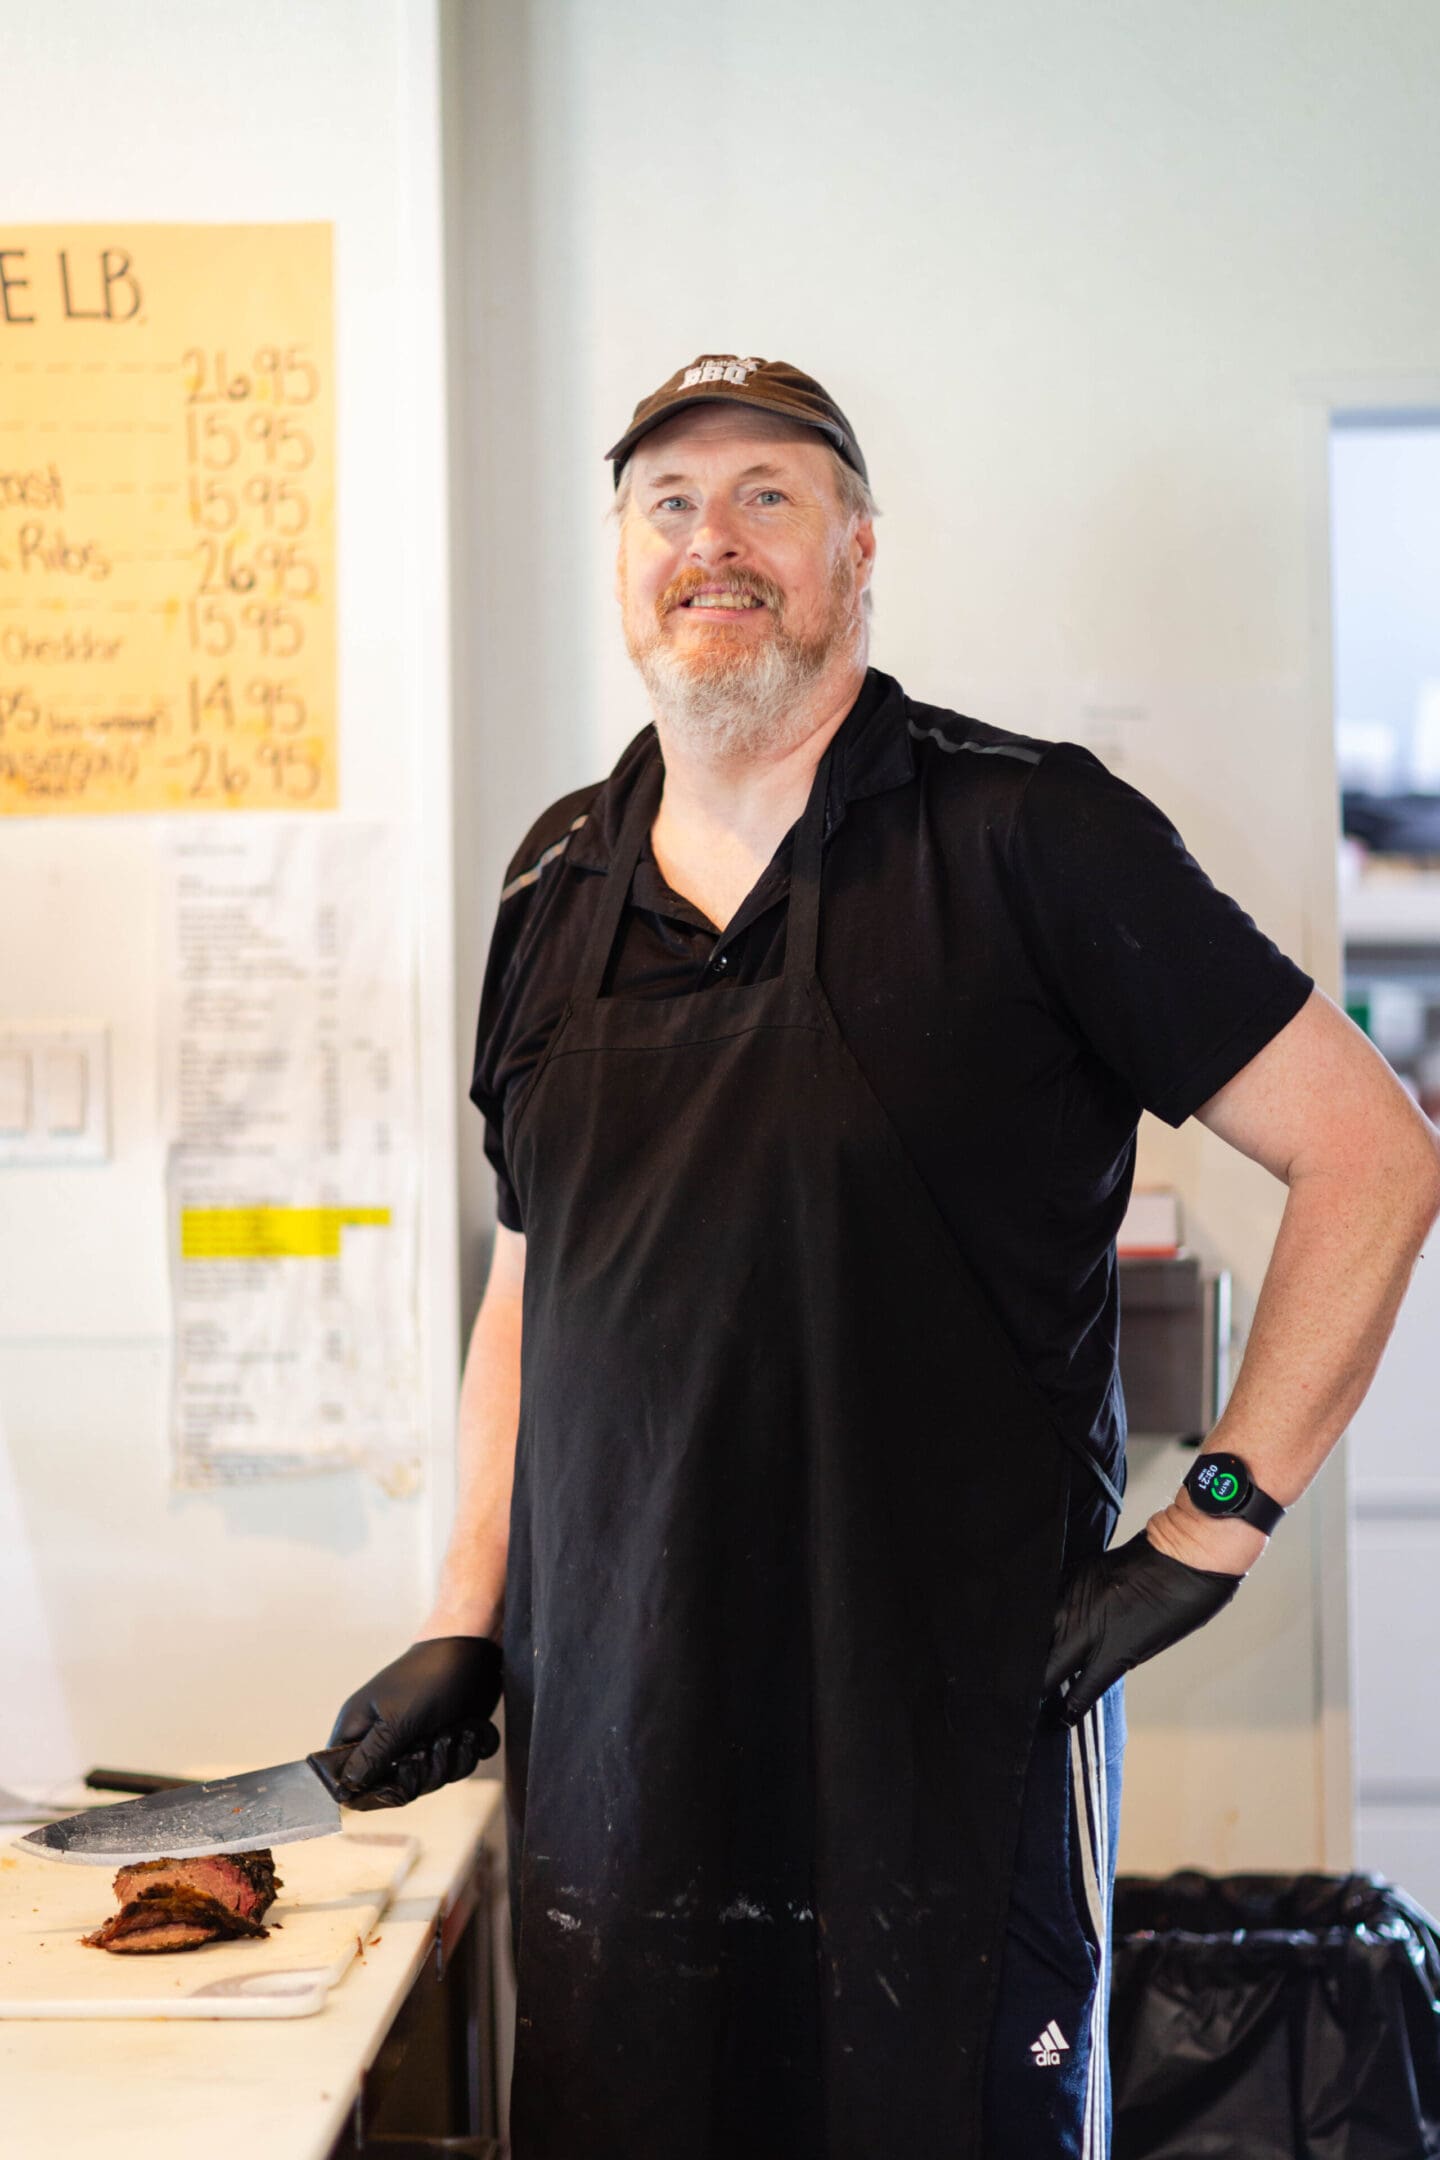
(1047, 2093)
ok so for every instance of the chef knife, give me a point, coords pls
(278, 1806)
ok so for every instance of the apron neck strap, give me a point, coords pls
(802, 928)
(639, 817)
(802, 923)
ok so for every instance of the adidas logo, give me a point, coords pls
(1048, 2048)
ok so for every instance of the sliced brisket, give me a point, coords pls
(180, 1904)
(245, 1881)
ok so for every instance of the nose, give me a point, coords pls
(713, 539)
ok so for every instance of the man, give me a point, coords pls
(812, 1050)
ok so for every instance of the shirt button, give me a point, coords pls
(722, 960)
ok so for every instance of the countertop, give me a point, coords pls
(171, 2090)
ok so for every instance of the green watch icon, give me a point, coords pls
(1222, 1485)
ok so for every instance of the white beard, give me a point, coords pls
(738, 702)
(730, 699)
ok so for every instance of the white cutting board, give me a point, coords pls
(335, 1890)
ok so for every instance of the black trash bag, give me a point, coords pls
(1273, 2017)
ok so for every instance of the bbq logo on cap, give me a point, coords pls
(718, 368)
(726, 378)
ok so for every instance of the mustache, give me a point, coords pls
(689, 582)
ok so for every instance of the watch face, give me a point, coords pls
(1219, 1484)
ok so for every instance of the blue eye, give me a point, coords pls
(774, 494)
(666, 500)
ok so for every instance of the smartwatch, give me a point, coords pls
(1221, 1485)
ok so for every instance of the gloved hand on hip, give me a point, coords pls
(1120, 1608)
(420, 1723)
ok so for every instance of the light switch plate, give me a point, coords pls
(68, 1096)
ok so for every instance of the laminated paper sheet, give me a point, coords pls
(288, 1098)
(167, 572)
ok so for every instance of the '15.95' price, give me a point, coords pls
(277, 632)
(216, 443)
(282, 506)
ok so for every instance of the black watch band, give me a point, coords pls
(1221, 1485)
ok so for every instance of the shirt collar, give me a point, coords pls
(872, 752)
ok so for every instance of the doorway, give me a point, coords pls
(1385, 625)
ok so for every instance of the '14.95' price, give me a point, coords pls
(271, 707)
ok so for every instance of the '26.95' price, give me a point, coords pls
(274, 570)
(279, 374)
(287, 769)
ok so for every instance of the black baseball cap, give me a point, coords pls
(771, 386)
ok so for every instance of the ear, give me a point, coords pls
(862, 549)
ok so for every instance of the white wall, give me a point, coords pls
(1075, 274)
(139, 1625)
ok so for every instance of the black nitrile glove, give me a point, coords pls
(420, 1723)
(1121, 1608)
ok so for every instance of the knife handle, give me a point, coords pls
(135, 1781)
(328, 1763)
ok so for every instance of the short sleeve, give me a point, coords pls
(487, 1084)
(527, 979)
(1165, 977)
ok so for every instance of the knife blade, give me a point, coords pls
(278, 1806)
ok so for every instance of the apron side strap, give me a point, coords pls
(1102, 1478)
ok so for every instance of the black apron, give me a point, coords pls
(785, 1548)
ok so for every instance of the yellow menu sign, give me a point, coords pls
(167, 518)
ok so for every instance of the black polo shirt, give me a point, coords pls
(1021, 955)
